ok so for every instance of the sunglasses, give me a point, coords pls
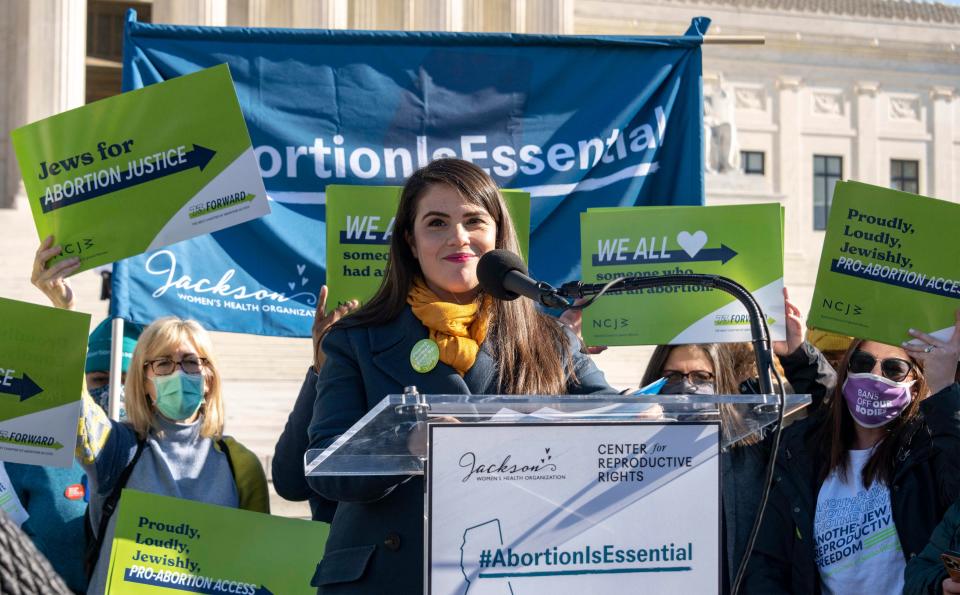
(894, 368)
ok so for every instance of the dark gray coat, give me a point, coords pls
(376, 538)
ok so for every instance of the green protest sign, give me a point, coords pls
(42, 354)
(168, 545)
(890, 262)
(359, 228)
(744, 243)
(141, 170)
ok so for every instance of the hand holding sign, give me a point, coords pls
(322, 322)
(119, 176)
(939, 357)
(794, 323)
(51, 280)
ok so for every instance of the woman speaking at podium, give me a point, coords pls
(428, 325)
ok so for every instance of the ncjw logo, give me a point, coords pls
(78, 247)
(611, 323)
(842, 307)
(506, 468)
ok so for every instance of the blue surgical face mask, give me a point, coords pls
(179, 395)
(102, 397)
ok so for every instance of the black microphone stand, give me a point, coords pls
(761, 350)
(758, 324)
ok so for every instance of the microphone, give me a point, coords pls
(503, 275)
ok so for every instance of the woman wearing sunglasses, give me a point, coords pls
(172, 441)
(709, 369)
(861, 485)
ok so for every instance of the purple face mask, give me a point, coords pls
(873, 400)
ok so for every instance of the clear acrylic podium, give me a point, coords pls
(391, 438)
(522, 493)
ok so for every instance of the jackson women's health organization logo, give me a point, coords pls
(536, 468)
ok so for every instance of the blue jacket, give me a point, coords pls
(376, 538)
(56, 521)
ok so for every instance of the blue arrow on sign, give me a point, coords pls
(199, 157)
(22, 387)
(723, 254)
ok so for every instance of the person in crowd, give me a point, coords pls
(287, 467)
(724, 369)
(172, 441)
(926, 573)
(55, 498)
(450, 214)
(861, 485)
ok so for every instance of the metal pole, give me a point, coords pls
(116, 367)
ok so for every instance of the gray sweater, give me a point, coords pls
(181, 464)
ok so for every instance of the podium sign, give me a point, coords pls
(573, 508)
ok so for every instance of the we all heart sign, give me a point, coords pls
(743, 243)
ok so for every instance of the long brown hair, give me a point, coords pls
(529, 347)
(724, 382)
(835, 434)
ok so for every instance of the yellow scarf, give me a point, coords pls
(457, 329)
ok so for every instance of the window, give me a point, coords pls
(752, 162)
(105, 19)
(827, 171)
(905, 175)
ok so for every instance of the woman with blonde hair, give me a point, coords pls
(172, 441)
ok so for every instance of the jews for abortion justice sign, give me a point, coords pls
(142, 170)
(168, 545)
(42, 354)
(576, 121)
(566, 509)
(743, 243)
(360, 221)
(890, 262)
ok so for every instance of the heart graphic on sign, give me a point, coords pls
(303, 281)
(292, 286)
(301, 268)
(692, 243)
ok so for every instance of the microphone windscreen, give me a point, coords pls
(493, 267)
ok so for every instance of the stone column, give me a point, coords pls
(10, 96)
(866, 144)
(439, 15)
(190, 12)
(517, 19)
(549, 16)
(370, 14)
(788, 158)
(942, 156)
(495, 16)
(319, 14)
(248, 13)
(45, 46)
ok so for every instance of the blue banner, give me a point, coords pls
(578, 121)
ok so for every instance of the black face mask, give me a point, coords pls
(687, 388)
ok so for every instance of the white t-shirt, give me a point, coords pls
(858, 549)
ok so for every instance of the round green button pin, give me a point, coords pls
(424, 355)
